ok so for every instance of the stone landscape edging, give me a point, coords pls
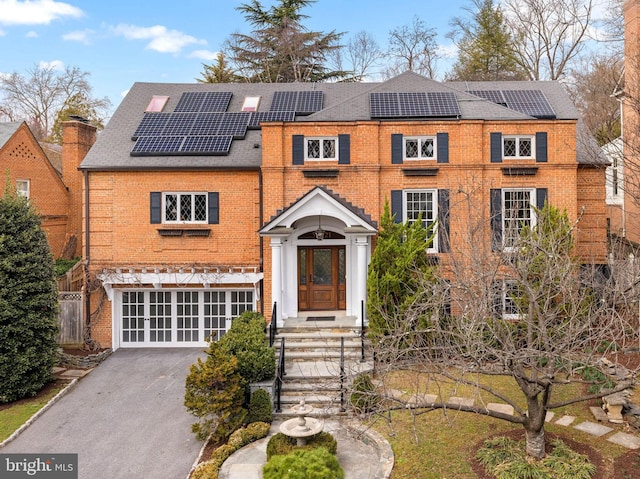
(379, 443)
(32, 419)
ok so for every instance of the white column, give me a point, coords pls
(361, 274)
(276, 278)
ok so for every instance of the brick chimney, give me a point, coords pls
(78, 136)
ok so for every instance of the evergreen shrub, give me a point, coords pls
(317, 463)
(28, 301)
(280, 444)
(260, 408)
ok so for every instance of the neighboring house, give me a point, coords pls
(204, 200)
(26, 166)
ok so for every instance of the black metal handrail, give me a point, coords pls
(273, 325)
(279, 376)
(343, 376)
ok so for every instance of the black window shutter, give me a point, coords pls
(541, 197)
(496, 147)
(541, 147)
(443, 221)
(396, 149)
(214, 208)
(155, 202)
(496, 219)
(298, 149)
(396, 206)
(344, 149)
(443, 147)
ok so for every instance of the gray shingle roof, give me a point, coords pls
(342, 102)
(7, 130)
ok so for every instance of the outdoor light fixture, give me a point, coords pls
(319, 232)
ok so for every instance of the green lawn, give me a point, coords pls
(12, 416)
(441, 445)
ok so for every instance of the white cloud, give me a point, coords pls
(124, 93)
(54, 64)
(161, 39)
(2, 32)
(32, 34)
(448, 51)
(82, 36)
(35, 12)
(204, 55)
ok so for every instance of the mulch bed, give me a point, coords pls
(82, 352)
(604, 468)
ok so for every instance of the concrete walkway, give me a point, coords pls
(358, 460)
(125, 419)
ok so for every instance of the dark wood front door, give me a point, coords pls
(321, 278)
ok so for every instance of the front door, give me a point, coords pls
(321, 278)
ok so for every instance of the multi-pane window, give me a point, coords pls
(518, 213)
(241, 301)
(23, 188)
(510, 300)
(515, 147)
(184, 207)
(215, 314)
(422, 204)
(321, 148)
(420, 148)
(188, 316)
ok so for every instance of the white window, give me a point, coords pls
(517, 213)
(517, 147)
(184, 207)
(157, 103)
(614, 172)
(23, 188)
(510, 300)
(320, 148)
(419, 148)
(422, 204)
(250, 103)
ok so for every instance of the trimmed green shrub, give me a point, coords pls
(280, 445)
(28, 301)
(205, 470)
(507, 459)
(315, 463)
(215, 394)
(221, 454)
(364, 398)
(260, 408)
(246, 341)
(249, 434)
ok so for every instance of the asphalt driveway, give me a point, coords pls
(126, 419)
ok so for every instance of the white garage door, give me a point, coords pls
(174, 318)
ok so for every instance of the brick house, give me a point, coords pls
(204, 200)
(27, 166)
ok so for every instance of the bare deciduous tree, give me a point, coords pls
(412, 48)
(530, 313)
(38, 96)
(359, 57)
(548, 34)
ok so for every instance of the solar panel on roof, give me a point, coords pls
(494, 96)
(151, 124)
(384, 105)
(263, 116)
(529, 102)
(206, 124)
(155, 145)
(206, 145)
(443, 103)
(201, 101)
(234, 124)
(179, 124)
(300, 102)
(309, 102)
(284, 101)
(413, 105)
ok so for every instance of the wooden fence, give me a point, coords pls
(71, 301)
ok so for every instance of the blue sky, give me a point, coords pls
(120, 42)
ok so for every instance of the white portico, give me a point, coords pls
(320, 251)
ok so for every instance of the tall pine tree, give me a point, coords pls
(28, 301)
(486, 48)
